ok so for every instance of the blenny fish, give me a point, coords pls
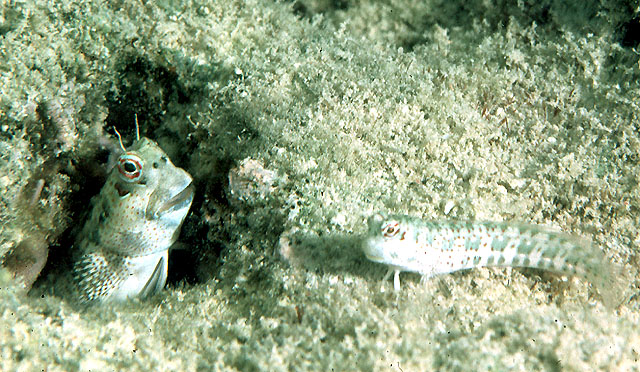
(123, 249)
(431, 248)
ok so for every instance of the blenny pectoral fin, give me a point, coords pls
(156, 281)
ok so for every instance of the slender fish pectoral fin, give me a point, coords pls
(396, 277)
(387, 274)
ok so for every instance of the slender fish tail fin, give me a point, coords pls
(611, 283)
(610, 279)
(575, 255)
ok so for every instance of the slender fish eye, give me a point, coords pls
(130, 167)
(391, 229)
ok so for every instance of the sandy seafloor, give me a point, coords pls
(322, 113)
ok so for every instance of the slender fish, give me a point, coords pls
(431, 248)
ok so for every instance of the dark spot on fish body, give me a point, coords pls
(472, 244)
(499, 244)
(550, 251)
(525, 246)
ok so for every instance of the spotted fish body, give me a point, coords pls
(122, 250)
(431, 248)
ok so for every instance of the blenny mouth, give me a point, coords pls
(180, 200)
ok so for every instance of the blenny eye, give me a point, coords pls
(130, 167)
(391, 229)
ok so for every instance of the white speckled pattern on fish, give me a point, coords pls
(431, 248)
(122, 250)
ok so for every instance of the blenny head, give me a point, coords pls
(145, 165)
(148, 198)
